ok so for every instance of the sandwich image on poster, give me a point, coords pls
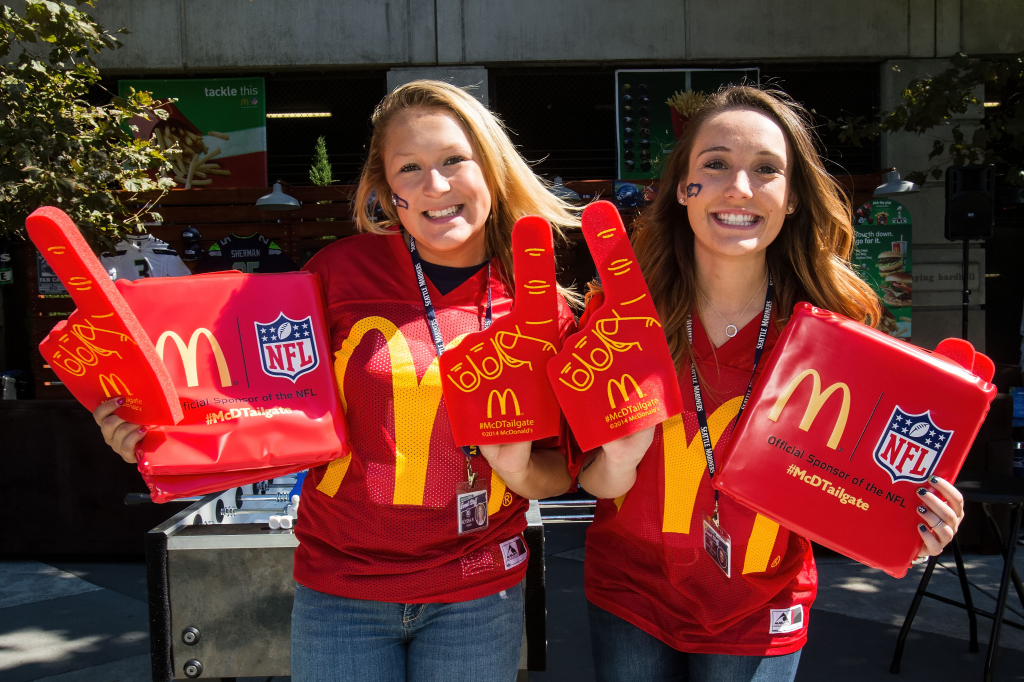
(882, 258)
(214, 130)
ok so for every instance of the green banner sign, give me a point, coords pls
(647, 125)
(882, 257)
(219, 126)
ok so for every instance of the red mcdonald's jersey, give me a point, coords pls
(381, 523)
(645, 556)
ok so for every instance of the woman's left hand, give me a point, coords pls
(939, 520)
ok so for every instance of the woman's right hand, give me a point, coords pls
(120, 435)
(611, 470)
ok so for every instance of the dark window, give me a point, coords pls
(565, 118)
(349, 96)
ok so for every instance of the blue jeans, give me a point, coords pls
(335, 639)
(625, 653)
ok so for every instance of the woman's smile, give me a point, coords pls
(733, 219)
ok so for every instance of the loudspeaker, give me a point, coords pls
(970, 202)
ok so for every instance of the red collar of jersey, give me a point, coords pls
(738, 351)
(468, 289)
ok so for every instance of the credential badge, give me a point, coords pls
(910, 446)
(287, 347)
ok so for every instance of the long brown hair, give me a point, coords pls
(516, 191)
(809, 260)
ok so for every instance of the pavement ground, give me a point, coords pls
(67, 621)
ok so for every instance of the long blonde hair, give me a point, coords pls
(809, 260)
(515, 190)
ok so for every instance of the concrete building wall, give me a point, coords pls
(190, 35)
(266, 34)
(458, 39)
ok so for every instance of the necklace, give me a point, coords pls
(728, 325)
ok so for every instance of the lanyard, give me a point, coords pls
(428, 307)
(702, 420)
(435, 330)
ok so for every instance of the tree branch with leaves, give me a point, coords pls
(931, 102)
(55, 147)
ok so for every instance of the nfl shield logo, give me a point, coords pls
(911, 446)
(287, 347)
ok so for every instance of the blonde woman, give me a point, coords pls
(746, 213)
(394, 583)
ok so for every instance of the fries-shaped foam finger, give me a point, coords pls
(101, 350)
(495, 380)
(615, 376)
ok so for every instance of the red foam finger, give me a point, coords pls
(615, 376)
(101, 350)
(494, 381)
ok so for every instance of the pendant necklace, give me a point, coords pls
(730, 329)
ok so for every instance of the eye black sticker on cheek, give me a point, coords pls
(399, 201)
(692, 190)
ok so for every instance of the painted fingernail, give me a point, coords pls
(934, 479)
(922, 492)
(120, 401)
(921, 510)
(142, 430)
(921, 527)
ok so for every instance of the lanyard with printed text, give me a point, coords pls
(702, 420)
(435, 329)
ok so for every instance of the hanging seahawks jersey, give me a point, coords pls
(254, 253)
(146, 256)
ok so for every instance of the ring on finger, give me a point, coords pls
(937, 524)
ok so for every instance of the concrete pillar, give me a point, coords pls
(470, 78)
(937, 310)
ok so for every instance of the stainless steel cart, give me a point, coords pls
(221, 588)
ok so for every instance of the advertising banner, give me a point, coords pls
(647, 124)
(219, 125)
(882, 257)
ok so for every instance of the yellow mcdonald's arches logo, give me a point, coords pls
(685, 467)
(814, 405)
(502, 397)
(109, 384)
(416, 402)
(621, 385)
(188, 355)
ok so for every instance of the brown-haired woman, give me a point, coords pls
(681, 584)
(395, 583)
